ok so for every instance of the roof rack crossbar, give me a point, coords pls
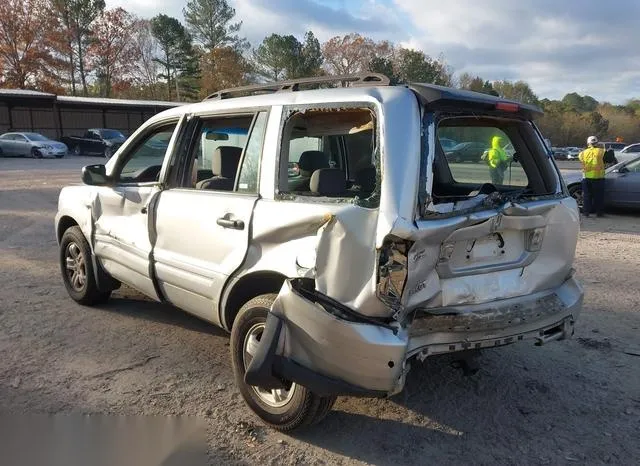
(354, 80)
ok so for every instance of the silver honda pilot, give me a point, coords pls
(329, 231)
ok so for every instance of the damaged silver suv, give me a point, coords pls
(331, 234)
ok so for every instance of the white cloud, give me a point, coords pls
(558, 46)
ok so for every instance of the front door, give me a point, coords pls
(202, 226)
(121, 240)
(622, 187)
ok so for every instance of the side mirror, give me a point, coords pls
(95, 175)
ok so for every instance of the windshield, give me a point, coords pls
(111, 134)
(36, 137)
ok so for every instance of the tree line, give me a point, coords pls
(79, 47)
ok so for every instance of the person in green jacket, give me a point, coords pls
(497, 159)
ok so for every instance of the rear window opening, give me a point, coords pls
(330, 153)
(486, 157)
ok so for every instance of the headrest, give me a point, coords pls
(226, 160)
(366, 178)
(312, 160)
(328, 182)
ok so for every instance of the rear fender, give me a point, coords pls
(326, 348)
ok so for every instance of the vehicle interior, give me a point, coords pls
(524, 168)
(329, 153)
(218, 151)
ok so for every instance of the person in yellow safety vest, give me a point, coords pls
(497, 159)
(592, 159)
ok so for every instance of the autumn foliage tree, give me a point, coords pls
(348, 54)
(222, 68)
(113, 48)
(25, 55)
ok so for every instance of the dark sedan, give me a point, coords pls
(466, 152)
(622, 185)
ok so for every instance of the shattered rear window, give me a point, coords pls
(330, 155)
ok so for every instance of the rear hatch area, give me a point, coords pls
(494, 221)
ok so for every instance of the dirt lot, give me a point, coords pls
(575, 402)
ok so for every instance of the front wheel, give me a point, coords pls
(283, 409)
(575, 192)
(77, 150)
(77, 269)
(36, 154)
(107, 152)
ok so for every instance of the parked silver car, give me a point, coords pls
(331, 278)
(30, 145)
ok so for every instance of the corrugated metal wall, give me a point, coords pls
(61, 121)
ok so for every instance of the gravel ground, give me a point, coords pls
(572, 402)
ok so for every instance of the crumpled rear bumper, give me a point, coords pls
(305, 343)
(312, 341)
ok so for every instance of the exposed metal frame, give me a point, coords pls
(292, 85)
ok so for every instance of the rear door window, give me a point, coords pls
(339, 144)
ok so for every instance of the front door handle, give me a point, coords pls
(230, 223)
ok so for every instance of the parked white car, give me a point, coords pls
(630, 152)
(30, 145)
(572, 152)
(334, 277)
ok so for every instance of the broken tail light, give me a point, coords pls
(392, 271)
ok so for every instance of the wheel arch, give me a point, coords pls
(65, 222)
(245, 288)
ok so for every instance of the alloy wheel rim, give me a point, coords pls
(75, 267)
(275, 398)
(577, 195)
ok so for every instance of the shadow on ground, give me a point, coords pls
(139, 307)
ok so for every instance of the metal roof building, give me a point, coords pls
(57, 116)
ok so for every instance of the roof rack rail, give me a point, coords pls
(354, 80)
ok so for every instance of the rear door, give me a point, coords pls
(121, 211)
(21, 145)
(202, 233)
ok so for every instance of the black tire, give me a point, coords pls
(36, 154)
(575, 192)
(303, 407)
(80, 285)
(107, 153)
(77, 150)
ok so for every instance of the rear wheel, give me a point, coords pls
(284, 409)
(77, 269)
(77, 150)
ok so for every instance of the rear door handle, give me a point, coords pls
(230, 223)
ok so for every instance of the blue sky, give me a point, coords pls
(558, 46)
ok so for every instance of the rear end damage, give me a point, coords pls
(315, 342)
